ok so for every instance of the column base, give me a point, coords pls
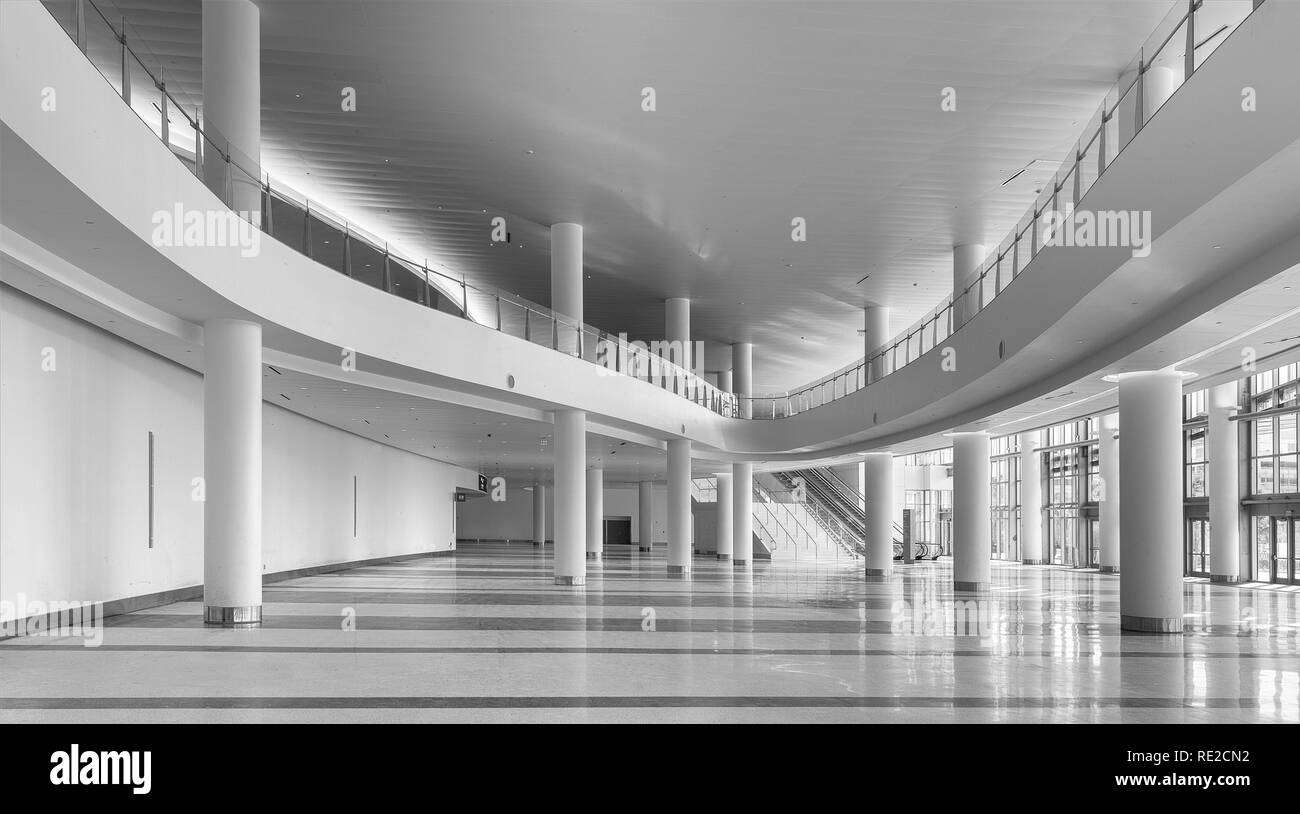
(643, 548)
(1151, 624)
(1225, 579)
(740, 563)
(593, 555)
(724, 556)
(1109, 569)
(878, 572)
(570, 580)
(1031, 562)
(537, 543)
(232, 616)
(679, 569)
(970, 587)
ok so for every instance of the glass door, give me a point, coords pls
(1276, 557)
(1198, 548)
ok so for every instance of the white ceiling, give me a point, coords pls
(765, 111)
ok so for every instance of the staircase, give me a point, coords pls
(839, 507)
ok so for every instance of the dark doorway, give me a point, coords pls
(618, 531)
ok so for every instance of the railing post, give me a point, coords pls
(464, 293)
(126, 66)
(266, 207)
(528, 326)
(427, 290)
(388, 271)
(81, 25)
(1033, 234)
(1078, 176)
(1101, 141)
(306, 230)
(162, 107)
(1138, 83)
(498, 312)
(347, 249)
(1189, 59)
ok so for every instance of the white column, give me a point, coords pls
(875, 335)
(1031, 500)
(742, 513)
(677, 330)
(972, 540)
(742, 376)
(232, 102)
(1108, 509)
(570, 497)
(645, 491)
(1158, 84)
(1151, 490)
(232, 472)
(878, 488)
(966, 259)
(1225, 503)
(900, 496)
(595, 513)
(726, 511)
(566, 284)
(539, 515)
(724, 381)
(679, 506)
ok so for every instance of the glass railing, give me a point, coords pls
(1171, 54)
(125, 59)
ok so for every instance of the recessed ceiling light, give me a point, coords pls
(1218, 247)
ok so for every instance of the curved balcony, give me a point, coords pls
(138, 76)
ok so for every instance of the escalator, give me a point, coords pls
(843, 503)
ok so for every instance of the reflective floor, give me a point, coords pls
(485, 635)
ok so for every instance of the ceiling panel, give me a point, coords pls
(765, 111)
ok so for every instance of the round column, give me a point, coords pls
(724, 381)
(742, 513)
(679, 506)
(566, 285)
(875, 335)
(232, 472)
(1108, 509)
(972, 539)
(539, 515)
(1158, 84)
(742, 376)
(570, 497)
(726, 511)
(1031, 500)
(1151, 485)
(595, 513)
(1225, 497)
(645, 492)
(966, 260)
(232, 102)
(677, 330)
(878, 489)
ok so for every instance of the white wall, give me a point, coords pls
(481, 518)
(74, 472)
(512, 519)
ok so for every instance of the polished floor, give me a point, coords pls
(484, 635)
